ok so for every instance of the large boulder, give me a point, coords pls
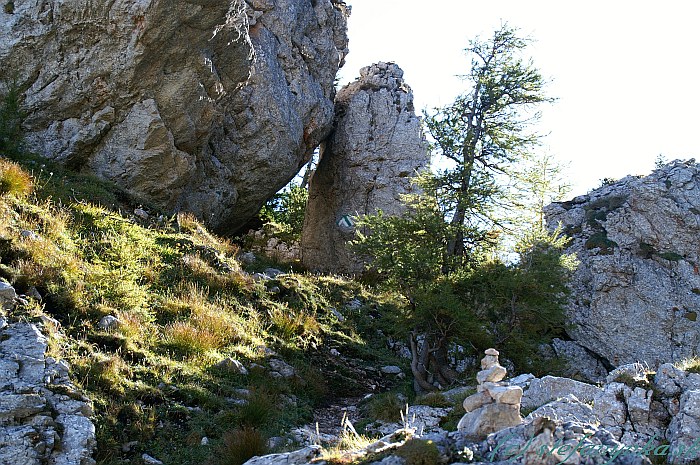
(365, 166)
(549, 388)
(636, 292)
(203, 106)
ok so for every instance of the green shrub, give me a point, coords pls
(259, 409)
(600, 240)
(10, 114)
(419, 452)
(385, 406)
(285, 212)
(671, 256)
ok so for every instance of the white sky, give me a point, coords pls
(626, 73)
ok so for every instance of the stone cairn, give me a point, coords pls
(494, 406)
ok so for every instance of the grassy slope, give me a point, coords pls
(184, 303)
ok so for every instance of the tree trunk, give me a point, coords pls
(419, 363)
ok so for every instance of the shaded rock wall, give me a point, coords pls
(636, 294)
(366, 165)
(204, 106)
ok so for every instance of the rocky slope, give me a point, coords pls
(366, 165)
(209, 107)
(635, 417)
(636, 294)
(43, 418)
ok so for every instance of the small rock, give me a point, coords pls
(27, 234)
(147, 459)
(507, 394)
(635, 371)
(260, 277)
(338, 315)
(141, 213)
(7, 295)
(273, 272)
(391, 370)
(248, 258)
(521, 380)
(232, 365)
(274, 290)
(127, 446)
(276, 442)
(335, 353)
(47, 320)
(109, 322)
(280, 367)
(204, 441)
(491, 375)
(476, 401)
(34, 293)
(353, 305)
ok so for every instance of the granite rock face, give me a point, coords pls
(636, 294)
(203, 106)
(366, 165)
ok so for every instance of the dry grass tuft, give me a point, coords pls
(14, 180)
(240, 445)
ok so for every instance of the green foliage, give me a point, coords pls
(407, 249)
(286, 211)
(539, 181)
(671, 256)
(385, 406)
(184, 304)
(691, 365)
(419, 452)
(485, 131)
(519, 306)
(433, 399)
(600, 241)
(660, 161)
(10, 115)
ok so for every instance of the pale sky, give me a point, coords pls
(626, 73)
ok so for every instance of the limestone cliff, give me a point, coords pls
(204, 106)
(366, 165)
(636, 294)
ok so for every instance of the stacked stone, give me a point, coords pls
(495, 406)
